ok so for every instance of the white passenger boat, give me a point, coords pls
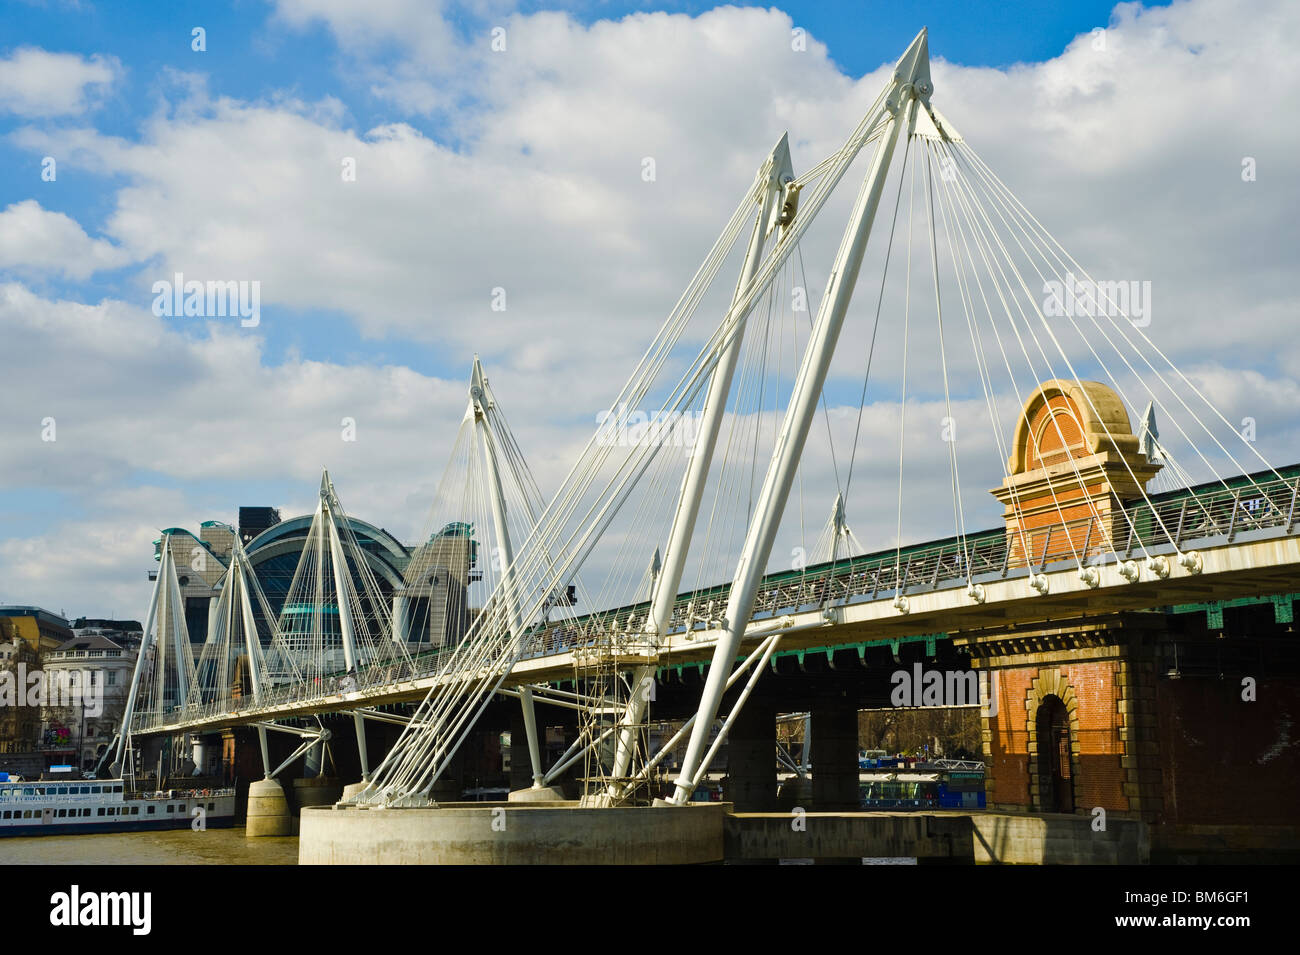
(64, 807)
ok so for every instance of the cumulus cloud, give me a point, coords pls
(38, 83)
(36, 239)
(1131, 152)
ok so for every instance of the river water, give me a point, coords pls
(185, 847)
(170, 847)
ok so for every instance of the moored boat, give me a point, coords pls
(65, 807)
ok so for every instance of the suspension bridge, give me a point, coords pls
(658, 551)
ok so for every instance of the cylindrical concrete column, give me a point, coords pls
(751, 758)
(835, 757)
(268, 810)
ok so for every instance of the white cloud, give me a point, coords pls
(36, 239)
(35, 82)
(1131, 155)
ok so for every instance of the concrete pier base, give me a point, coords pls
(513, 834)
(544, 794)
(552, 834)
(268, 810)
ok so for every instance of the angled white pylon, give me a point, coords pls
(909, 88)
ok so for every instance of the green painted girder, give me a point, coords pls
(1283, 610)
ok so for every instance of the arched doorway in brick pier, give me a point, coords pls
(1053, 724)
(1055, 772)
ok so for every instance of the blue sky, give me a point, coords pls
(251, 55)
(523, 171)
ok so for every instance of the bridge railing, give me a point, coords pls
(1223, 513)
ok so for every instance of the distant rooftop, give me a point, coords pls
(89, 641)
(40, 613)
(101, 623)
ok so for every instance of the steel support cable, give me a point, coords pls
(1105, 368)
(1155, 398)
(440, 708)
(753, 288)
(1143, 334)
(899, 584)
(959, 517)
(946, 204)
(770, 270)
(638, 537)
(803, 534)
(752, 379)
(423, 764)
(880, 298)
(984, 242)
(743, 441)
(583, 471)
(993, 237)
(1052, 336)
(759, 282)
(830, 438)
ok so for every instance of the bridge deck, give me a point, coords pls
(1245, 538)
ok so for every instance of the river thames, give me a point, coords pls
(172, 847)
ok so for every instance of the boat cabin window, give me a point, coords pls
(117, 789)
(152, 809)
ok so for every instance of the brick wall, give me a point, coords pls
(1098, 707)
(1101, 776)
(1006, 743)
(1225, 761)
